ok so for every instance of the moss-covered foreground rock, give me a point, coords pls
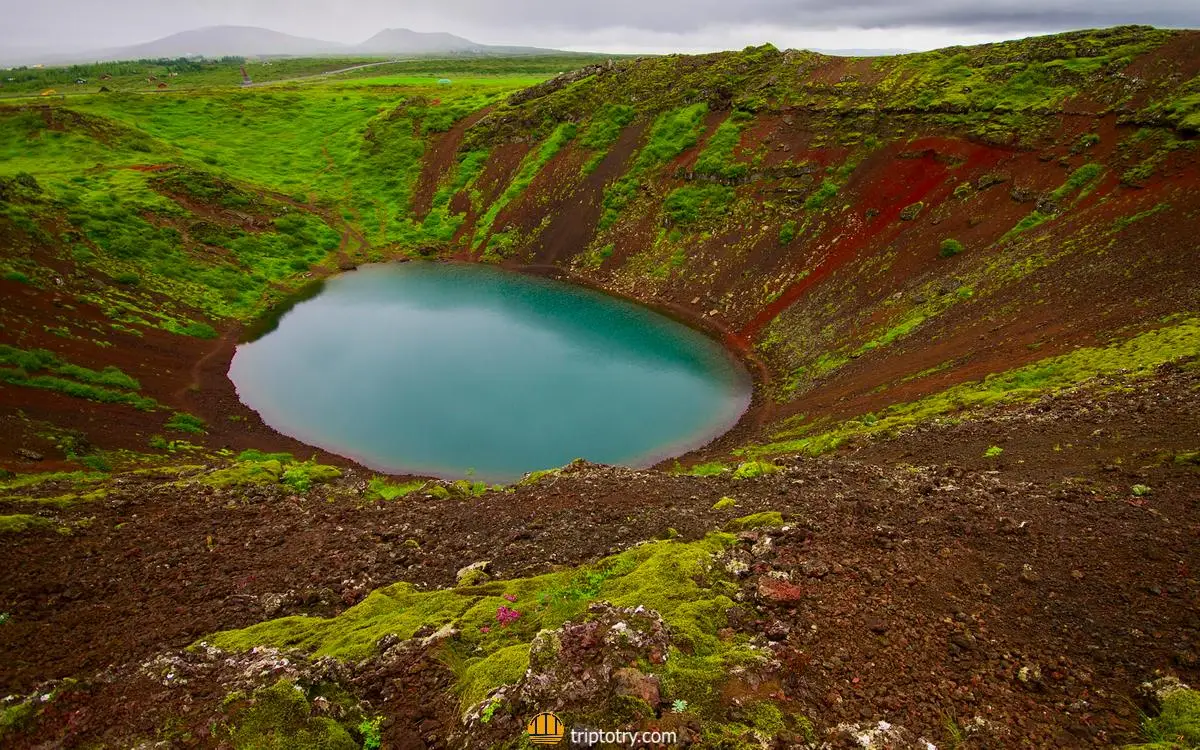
(279, 718)
(557, 641)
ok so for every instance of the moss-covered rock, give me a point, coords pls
(753, 469)
(280, 718)
(509, 628)
(766, 520)
(19, 522)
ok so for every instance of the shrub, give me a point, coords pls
(301, 477)
(950, 248)
(821, 195)
(1085, 142)
(752, 469)
(95, 463)
(184, 422)
(787, 232)
(197, 330)
(18, 277)
(384, 490)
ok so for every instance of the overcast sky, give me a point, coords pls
(600, 25)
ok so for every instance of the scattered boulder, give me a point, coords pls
(474, 574)
(881, 735)
(272, 603)
(1022, 195)
(1155, 692)
(28, 455)
(773, 590)
(991, 178)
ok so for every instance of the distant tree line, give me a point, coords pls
(93, 71)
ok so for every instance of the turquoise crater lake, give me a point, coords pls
(449, 370)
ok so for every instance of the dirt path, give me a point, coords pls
(221, 347)
(326, 74)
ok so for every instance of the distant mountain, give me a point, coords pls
(250, 41)
(219, 41)
(406, 41)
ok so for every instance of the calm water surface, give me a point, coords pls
(441, 369)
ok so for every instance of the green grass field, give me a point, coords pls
(185, 74)
(149, 187)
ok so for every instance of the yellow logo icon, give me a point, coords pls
(546, 729)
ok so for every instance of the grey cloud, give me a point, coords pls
(85, 24)
(685, 15)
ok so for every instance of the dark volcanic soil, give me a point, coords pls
(1032, 591)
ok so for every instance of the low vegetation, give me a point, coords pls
(662, 576)
(1176, 341)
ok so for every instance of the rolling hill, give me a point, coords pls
(250, 41)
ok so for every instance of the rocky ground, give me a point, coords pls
(1012, 601)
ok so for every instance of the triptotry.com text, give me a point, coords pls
(592, 737)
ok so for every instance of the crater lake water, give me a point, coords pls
(451, 369)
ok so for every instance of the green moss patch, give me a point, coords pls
(1177, 726)
(671, 134)
(530, 167)
(1134, 357)
(382, 489)
(767, 520)
(20, 522)
(60, 501)
(28, 481)
(262, 469)
(280, 718)
(1080, 179)
(184, 422)
(45, 370)
(697, 204)
(717, 159)
(753, 469)
(678, 580)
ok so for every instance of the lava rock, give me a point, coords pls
(778, 591)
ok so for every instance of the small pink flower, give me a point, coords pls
(506, 616)
(511, 597)
(485, 629)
